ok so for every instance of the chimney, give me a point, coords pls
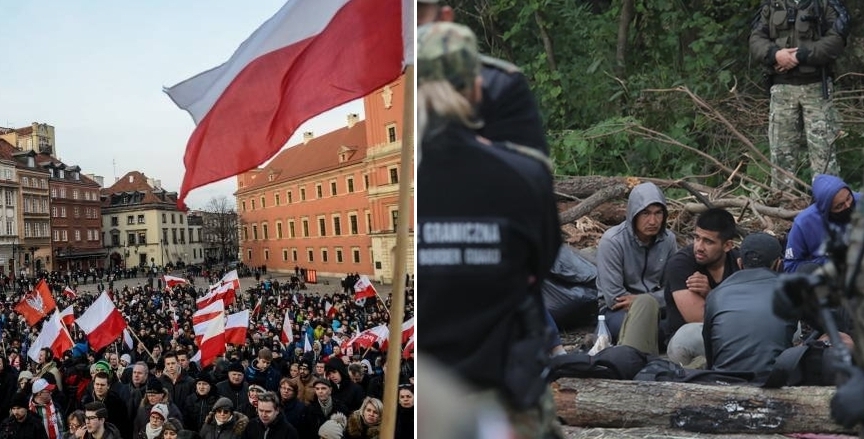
(307, 136)
(353, 118)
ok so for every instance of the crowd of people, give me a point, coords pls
(154, 389)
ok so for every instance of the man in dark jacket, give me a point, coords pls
(261, 373)
(95, 415)
(235, 388)
(270, 423)
(115, 406)
(21, 423)
(344, 389)
(175, 381)
(198, 405)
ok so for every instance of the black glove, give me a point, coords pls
(847, 405)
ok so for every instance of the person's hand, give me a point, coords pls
(847, 405)
(786, 60)
(623, 302)
(698, 283)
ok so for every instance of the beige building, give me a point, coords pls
(38, 137)
(142, 226)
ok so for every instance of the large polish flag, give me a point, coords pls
(53, 336)
(224, 292)
(67, 316)
(101, 322)
(212, 343)
(236, 326)
(231, 278)
(215, 309)
(311, 56)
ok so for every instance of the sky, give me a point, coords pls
(95, 70)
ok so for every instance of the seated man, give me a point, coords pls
(741, 331)
(691, 274)
(630, 261)
(833, 204)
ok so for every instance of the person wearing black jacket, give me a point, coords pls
(488, 235)
(320, 409)
(198, 405)
(270, 423)
(21, 423)
(115, 406)
(344, 389)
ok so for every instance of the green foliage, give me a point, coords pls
(592, 110)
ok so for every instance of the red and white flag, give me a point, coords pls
(258, 307)
(215, 309)
(212, 343)
(232, 279)
(408, 350)
(363, 288)
(173, 281)
(223, 292)
(287, 331)
(307, 343)
(330, 310)
(53, 336)
(67, 316)
(264, 87)
(127, 338)
(378, 334)
(236, 327)
(407, 330)
(101, 322)
(69, 292)
(36, 304)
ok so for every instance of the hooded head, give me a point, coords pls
(833, 198)
(646, 211)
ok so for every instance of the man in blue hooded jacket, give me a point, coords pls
(833, 204)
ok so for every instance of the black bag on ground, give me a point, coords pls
(569, 292)
(660, 369)
(612, 363)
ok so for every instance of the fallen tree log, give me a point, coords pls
(590, 203)
(584, 186)
(775, 212)
(694, 407)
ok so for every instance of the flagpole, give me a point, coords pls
(142, 344)
(397, 306)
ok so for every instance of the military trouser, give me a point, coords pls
(641, 325)
(790, 106)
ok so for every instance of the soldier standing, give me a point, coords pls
(797, 41)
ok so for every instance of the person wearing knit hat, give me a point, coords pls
(153, 428)
(198, 405)
(22, 422)
(334, 428)
(224, 422)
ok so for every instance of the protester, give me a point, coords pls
(270, 423)
(223, 422)
(22, 423)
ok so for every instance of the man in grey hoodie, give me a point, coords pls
(631, 259)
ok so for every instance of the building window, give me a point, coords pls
(350, 183)
(291, 233)
(290, 197)
(339, 255)
(310, 255)
(276, 198)
(279, 231)
(266, 255)
(337, 226)
(318, 191)
(130, 220)
(394, 217)
(394, 176)
(333, 188)
(243, 203)
(352, 219)
(305, 228)
(245, 233)
(366, 182)
(77, 235)
(294, 254)
(164, 218)
(173, 219)
(254, 232)
(264, 231)
(284, 255)
(253, 204)
(322, 227)
(140, 219)
(368, 222)
(355, 255)
(323, 255)
(263, 203)
(391, 133)
(302, 194)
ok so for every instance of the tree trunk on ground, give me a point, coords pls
(590, 203)
(694, 407)
(585, 186)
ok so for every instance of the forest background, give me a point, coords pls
(658, 88)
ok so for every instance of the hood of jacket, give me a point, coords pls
(825, 187)
(640, 198)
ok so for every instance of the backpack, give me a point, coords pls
(660, 369)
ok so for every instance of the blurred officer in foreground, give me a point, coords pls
(488, 235)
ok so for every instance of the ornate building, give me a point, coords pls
(142, 226)
(330, 202)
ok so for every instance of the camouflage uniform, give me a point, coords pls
(796, 95)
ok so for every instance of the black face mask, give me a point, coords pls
(842, 217)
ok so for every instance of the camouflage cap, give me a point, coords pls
(447, 51)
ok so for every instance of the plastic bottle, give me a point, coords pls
(603, 336)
